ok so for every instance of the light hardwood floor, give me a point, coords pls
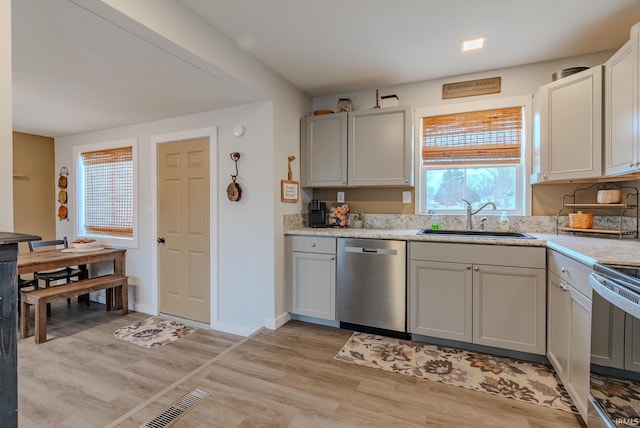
(85, 377)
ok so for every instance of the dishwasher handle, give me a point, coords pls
(373, 251)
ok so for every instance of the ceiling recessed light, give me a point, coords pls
(469, 45)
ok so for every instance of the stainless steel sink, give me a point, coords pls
(476, 233)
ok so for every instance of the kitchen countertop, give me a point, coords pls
(586, 249)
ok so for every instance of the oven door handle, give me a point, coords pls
(608, 289)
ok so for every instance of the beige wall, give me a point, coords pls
(546, 198)
(377, 201)
(34, 186)
(6, 126)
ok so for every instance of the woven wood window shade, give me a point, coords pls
(478, 138)
(108, 191)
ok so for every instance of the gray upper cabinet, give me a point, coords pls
(363, 148)
(380, 147)
(621, 110)
(567, 141)
(324, 150)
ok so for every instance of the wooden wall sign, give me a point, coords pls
(289, 188)
(471, 88)
(288, 191)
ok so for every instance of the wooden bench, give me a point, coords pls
(40, 297)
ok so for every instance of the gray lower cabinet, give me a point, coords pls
(509, 307)
(440, 296)
(495, 298)
(632, 344)
(617, 345)
(312, 276)
(608, 324)
(569, 325)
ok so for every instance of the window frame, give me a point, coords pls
(115, 241)
(523, 190)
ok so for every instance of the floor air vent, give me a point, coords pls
(177, 409)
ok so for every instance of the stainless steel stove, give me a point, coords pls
(615, 347)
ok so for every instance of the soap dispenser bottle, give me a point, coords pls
(435, 220)
(503, 223)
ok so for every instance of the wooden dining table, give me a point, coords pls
(40, 261)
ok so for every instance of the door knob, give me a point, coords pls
(161, 240)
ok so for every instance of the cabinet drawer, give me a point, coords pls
(572, 271)
(313, 244)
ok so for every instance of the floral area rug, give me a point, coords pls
(619, 398)
(506, 377)
(153, 332)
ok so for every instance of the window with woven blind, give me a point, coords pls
(108, 192)
(473, 154)
(473, 138)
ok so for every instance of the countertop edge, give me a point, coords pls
(586, 250)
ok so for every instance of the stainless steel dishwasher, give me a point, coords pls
(372, 284)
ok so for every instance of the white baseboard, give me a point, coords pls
(276, 323)
(239, 330)
(145, 309)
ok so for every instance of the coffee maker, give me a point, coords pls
(317, 213)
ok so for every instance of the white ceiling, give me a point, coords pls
(75, 72)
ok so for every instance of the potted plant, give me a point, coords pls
(357, 218)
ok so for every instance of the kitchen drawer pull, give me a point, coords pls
(564, 286)
(313, 244)
(476, 268)
(468, 267)
(564, 270)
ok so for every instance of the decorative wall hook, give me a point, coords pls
(234, 192)
(63, 212)
(289, 174)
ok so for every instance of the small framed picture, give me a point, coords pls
(288, 191)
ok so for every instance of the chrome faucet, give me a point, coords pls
(470, 212)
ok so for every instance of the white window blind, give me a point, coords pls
(108, 192)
